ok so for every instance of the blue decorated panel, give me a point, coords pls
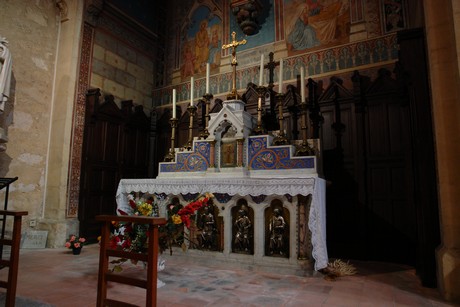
(196, 161)
(263, 157)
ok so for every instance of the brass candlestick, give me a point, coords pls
(280, 139)
(170, 157)
(207, 100)
(191, 110)
(304, 149)
(259, 129)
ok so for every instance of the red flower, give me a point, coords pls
(132, 203)
(122, 212)
(186, 220)
(126, 244)
(114, 242)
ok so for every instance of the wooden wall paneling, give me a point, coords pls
(389, 165)
(115, 146)
(412, 72)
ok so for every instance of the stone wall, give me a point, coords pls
(31, 28)
(120, 70)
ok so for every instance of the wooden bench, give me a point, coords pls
(151, 259)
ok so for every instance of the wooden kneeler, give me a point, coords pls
(151, 259)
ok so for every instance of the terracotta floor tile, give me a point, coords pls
(57, 277)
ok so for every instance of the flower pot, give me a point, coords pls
(76, 251)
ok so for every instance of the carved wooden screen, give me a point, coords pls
(115, 146)
(367, 161)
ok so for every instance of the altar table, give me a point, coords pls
(243, 187)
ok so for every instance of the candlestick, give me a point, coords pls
(280, 84)
(191, 90)
(280, 139)
(259, 130)
(171, 156)
(302, 84)
(174, 103)
(261, 75)
(208, 67)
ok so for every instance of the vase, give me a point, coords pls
(76, 251)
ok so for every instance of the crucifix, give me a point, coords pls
(271, 70)
(234, 94)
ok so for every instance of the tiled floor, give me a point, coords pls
(57, 277)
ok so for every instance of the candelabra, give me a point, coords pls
(170, 157)
(207, 101)
(304, 149)
(259, 129)
(191, 110)
(280, 139)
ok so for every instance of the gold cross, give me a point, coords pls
(234, 94)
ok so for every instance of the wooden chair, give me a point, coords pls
(5, 184)
(13, 261)
(151, 258)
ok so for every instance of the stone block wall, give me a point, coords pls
(122, 71)
(31, 29)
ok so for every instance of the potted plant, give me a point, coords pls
(75, 243)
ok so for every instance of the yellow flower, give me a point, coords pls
(176, 219)
(145, 209)
(208, 195)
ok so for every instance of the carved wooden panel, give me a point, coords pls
(115, 146)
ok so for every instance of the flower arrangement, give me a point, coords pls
(75, 242)
(133, 237)
(179, 217)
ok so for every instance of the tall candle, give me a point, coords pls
(280, 84)
(207, 77)
(302, 84)
(174, 103)
(191, 90)
(261, 76)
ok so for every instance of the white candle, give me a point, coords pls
(261, 76)
(191, 90)
(174, 103)
(302, 84)
(207, 77)
(280, 84)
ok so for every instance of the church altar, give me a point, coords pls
(247, 188)
(269, 204)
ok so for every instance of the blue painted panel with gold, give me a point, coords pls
(264, 157)
(195, 161)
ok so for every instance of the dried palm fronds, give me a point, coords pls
(338, 268)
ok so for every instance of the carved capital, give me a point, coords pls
(247, 13)
(63, 10)
(93, 10)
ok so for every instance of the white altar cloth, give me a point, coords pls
(243, 187)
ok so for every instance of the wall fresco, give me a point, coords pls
(316, 24)
(201, 42)
(326, 61)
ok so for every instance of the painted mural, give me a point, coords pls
(316, 34)
(316, 23)
(201, 42)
